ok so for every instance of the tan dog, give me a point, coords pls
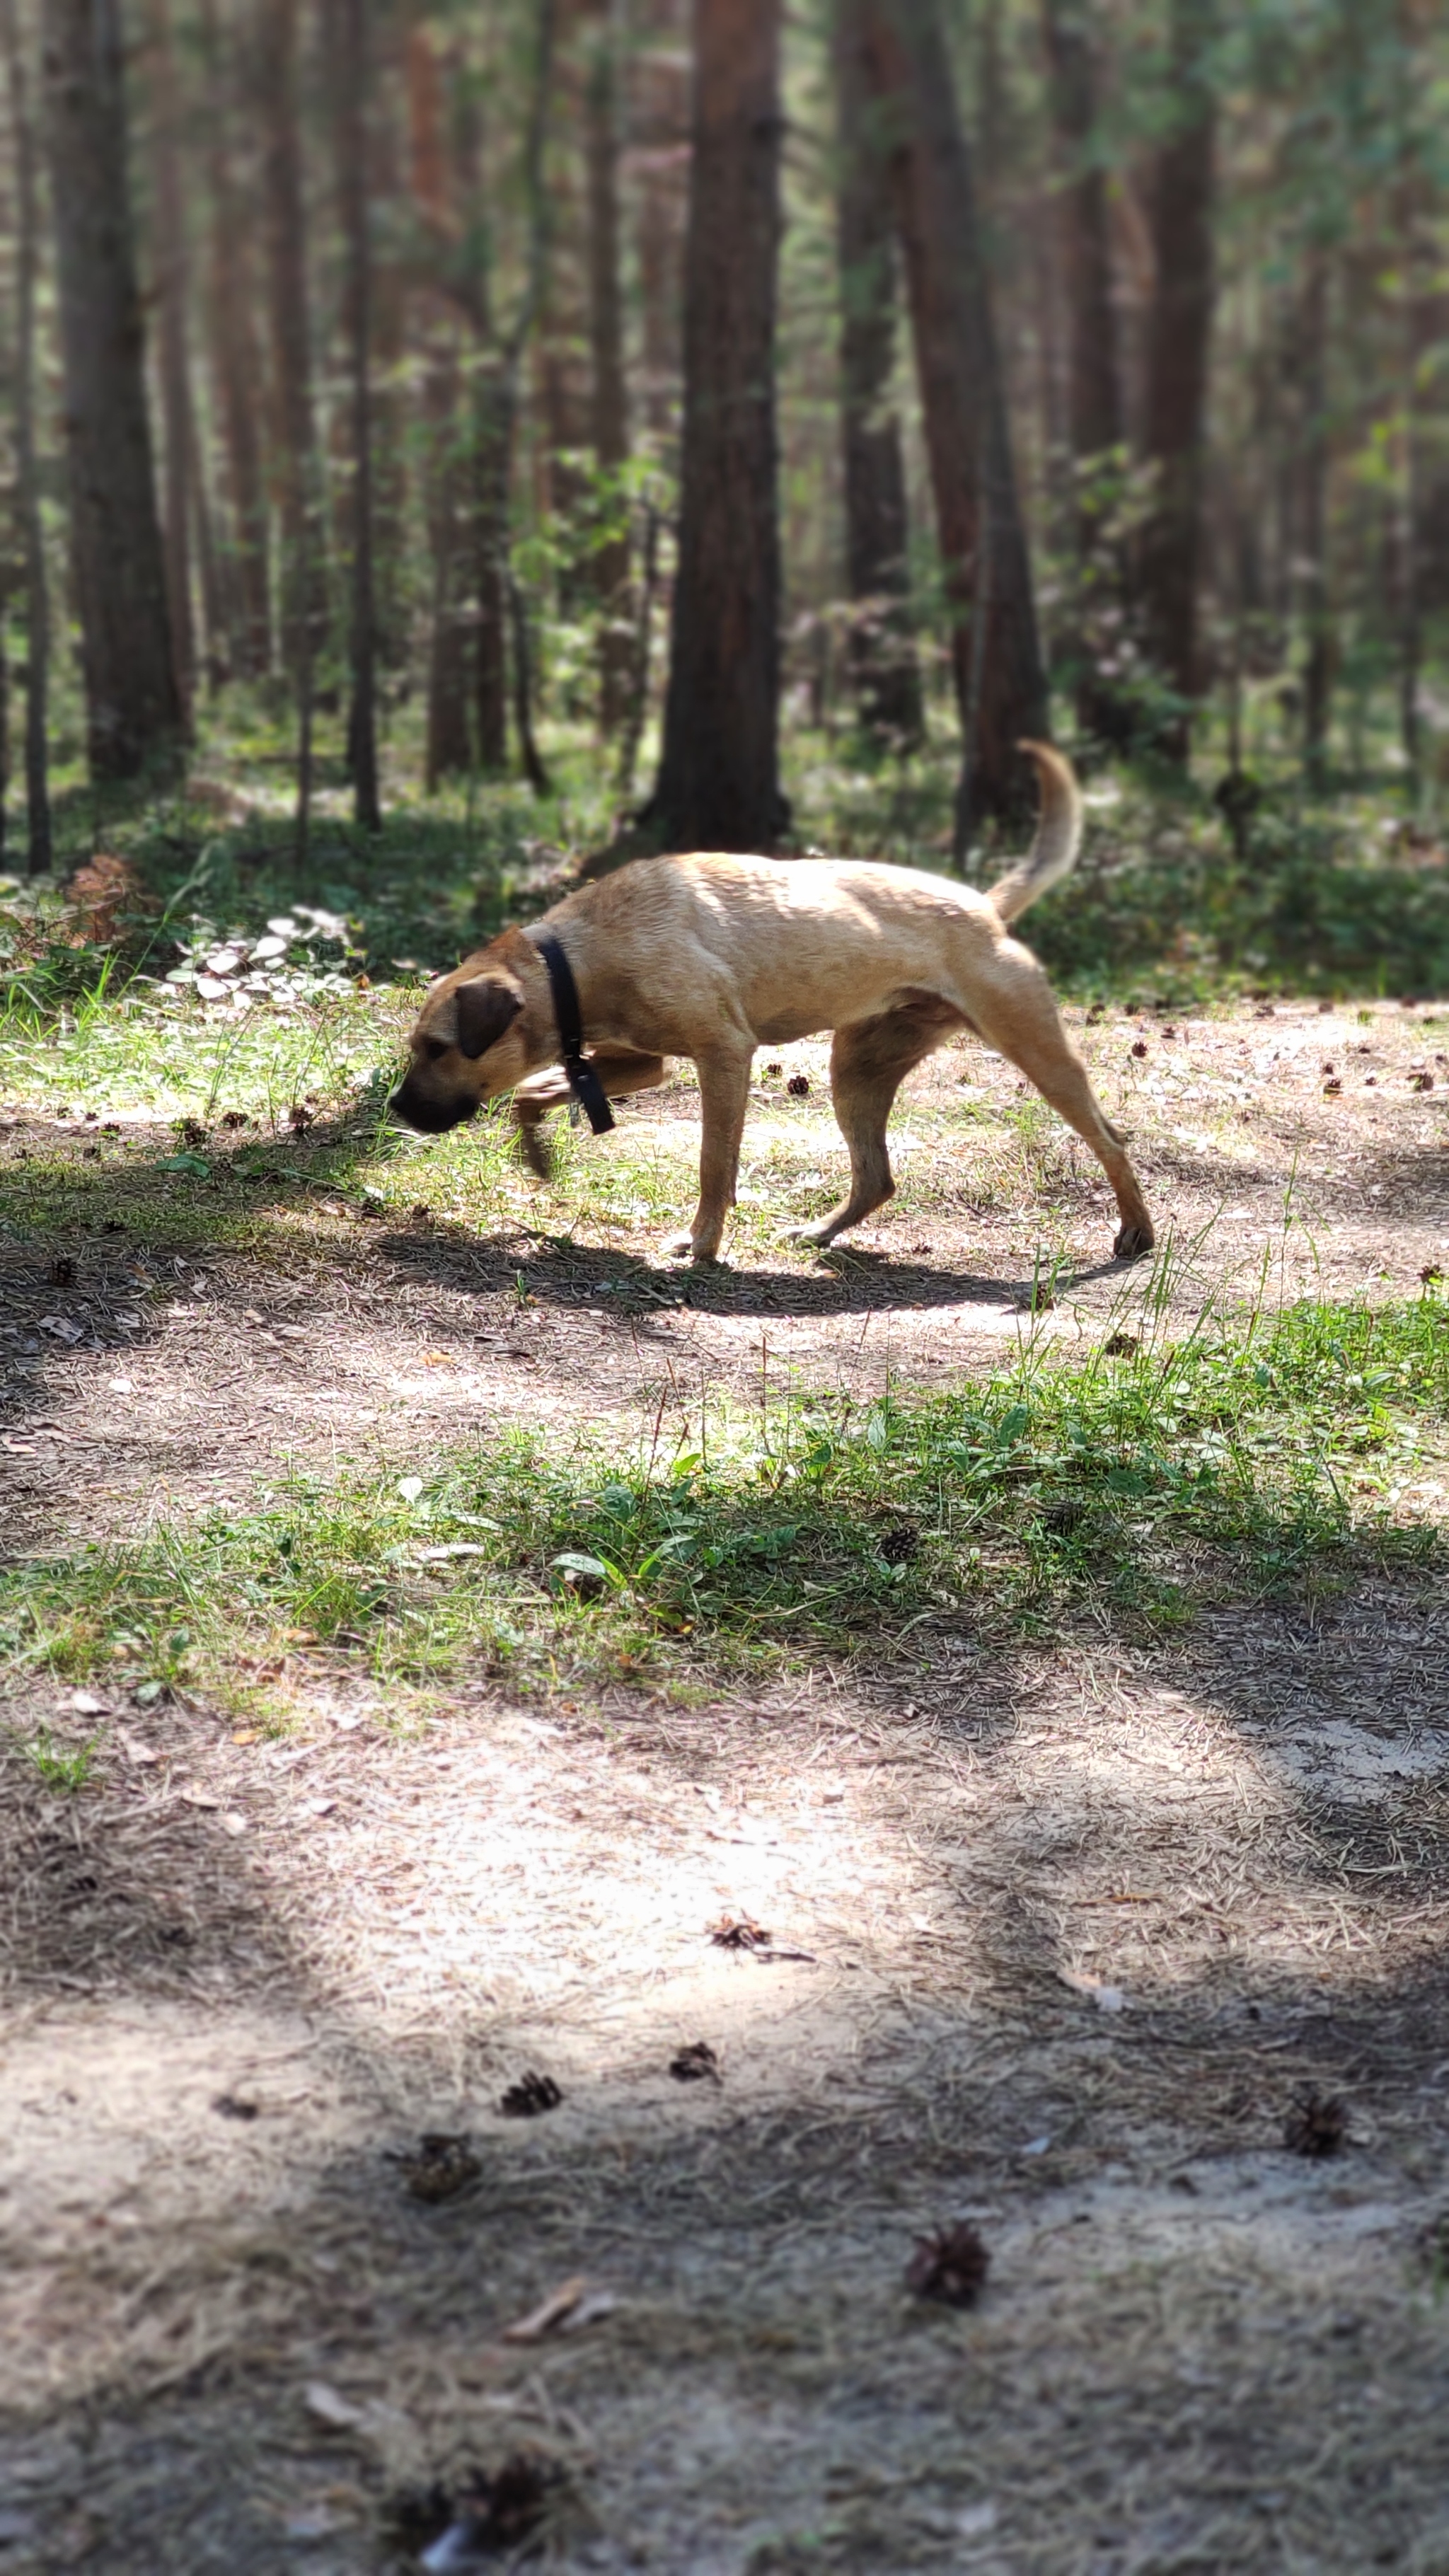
(713, 956)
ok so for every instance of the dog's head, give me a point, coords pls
(474, 1039)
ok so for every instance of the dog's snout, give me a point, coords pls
(430, 1117)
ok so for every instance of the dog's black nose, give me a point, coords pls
(429, 1117)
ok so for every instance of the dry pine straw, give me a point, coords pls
(1083, 1927)
(398, 1927)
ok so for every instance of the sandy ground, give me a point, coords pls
(1059, 1939)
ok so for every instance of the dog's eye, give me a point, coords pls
(434, 1047)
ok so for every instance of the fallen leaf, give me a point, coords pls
(234, 1822)
(61, 1328)
(330, 2406)
(87, 1704)
(550, 2312)
(247, 1735)
(198, 1798)
(1092, 1989)
(740, 1932)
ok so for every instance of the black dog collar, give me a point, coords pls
(583, 1082)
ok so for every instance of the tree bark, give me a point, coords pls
(609, 406)
(492, 458)
(1179, 328)
(1313, 523)
(294, 444)
(133, 713)
(495, 409)
(351, 78)
(718, 784)
(236, 370)
(449, 746)
(1000, 682)
(882, 661)
(1095, 425)
(172, 284)
(37, 604)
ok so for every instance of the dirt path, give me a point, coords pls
(1059, 1938)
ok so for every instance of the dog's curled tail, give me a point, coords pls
(1053, 854)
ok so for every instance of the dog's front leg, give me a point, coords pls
(724, 1091)
(620, 1069)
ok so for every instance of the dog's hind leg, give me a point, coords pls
(869, 1060)
(1016, 1014)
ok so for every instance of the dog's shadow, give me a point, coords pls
(558, 1270)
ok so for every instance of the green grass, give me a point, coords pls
(62, 1771)
(1128, 1489)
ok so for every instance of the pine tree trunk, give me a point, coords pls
(351, 78)
(1095, 426)
(133, 713)
(170, 266)
(294, 444)
(236, 373)
(718, 785)
(449, 745)
(432, 176)
(610, 422)
(884, 673)
(492, 458)
(660, 153)
(1178, 331)
(1313, 528)
(1000, 683)
(37, 604)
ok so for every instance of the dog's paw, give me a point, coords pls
(679, 1247)
(1132, 1242)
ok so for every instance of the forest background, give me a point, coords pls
(444, 443)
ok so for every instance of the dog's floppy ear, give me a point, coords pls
(483, 1009)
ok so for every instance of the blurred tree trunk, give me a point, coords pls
(350, 76)
(236, 369)
(718, 784)
(294, 445)
(1000, 683)
(388, 373)
(1094, 394)
(449, 746)
(1179, 329)
(659, 156)
(171, 268)
(1313, 520)
(37, 603)
(495, 390)
(883, 668)
(610, 409)
(134, 714)
(492, 457)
